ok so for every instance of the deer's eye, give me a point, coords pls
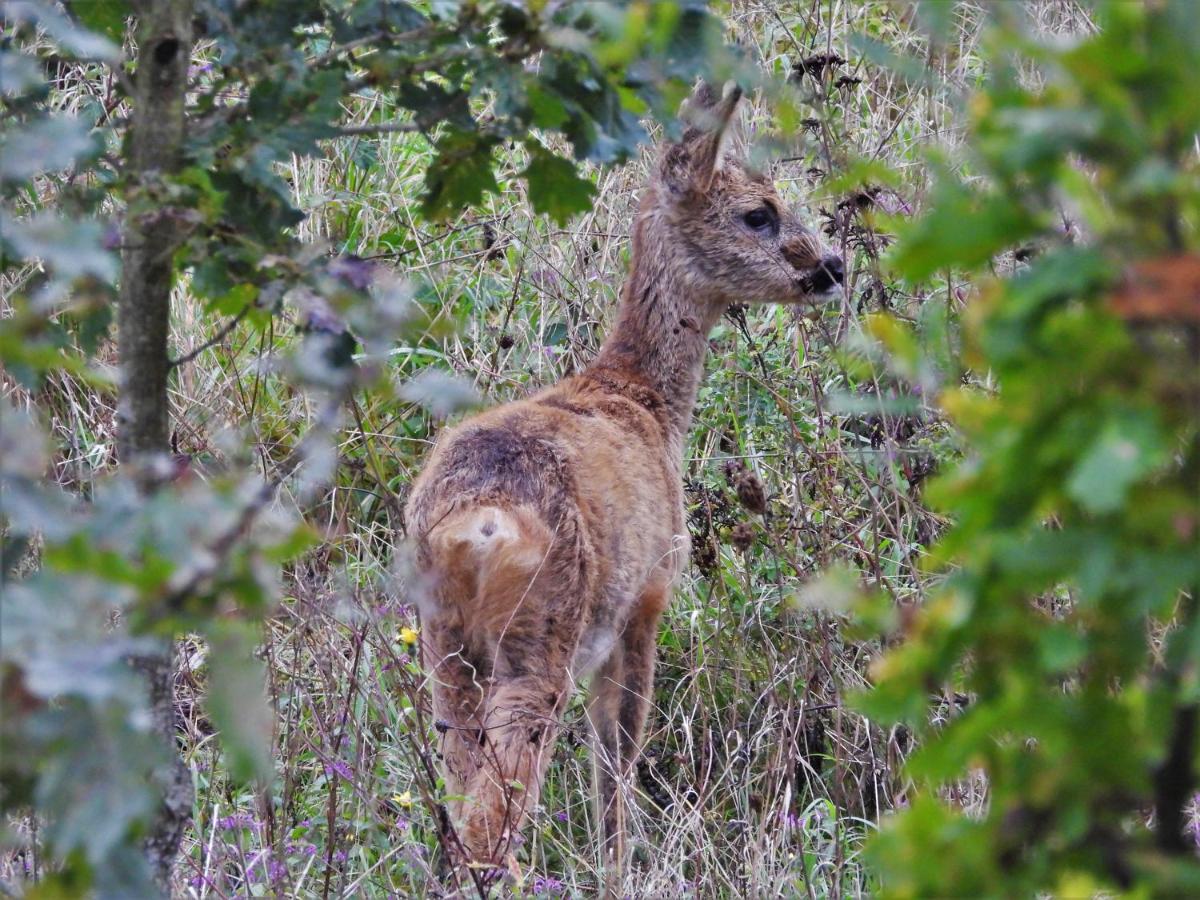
(761, 219)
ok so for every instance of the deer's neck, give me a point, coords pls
(661, 337)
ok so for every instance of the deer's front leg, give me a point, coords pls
(604, 715)
(621, 695)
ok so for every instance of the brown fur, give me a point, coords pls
(549, 531)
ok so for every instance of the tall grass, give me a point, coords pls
(757, 779)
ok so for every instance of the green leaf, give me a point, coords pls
(554, 186)
(964, 229)
(235, 299)
(1128, 447)
(94, 785)
(18, 73)
(439, 392)
(556, 334)
(70, 37)
(93, 326)
(237, 700)
(105, 17)
(54, 630)
(73, 248)
(24, 450)
(548, 109)
(460, 174)
(936, 17)
(46, 145)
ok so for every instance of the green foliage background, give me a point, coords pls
(408, 170)
(1068, 616)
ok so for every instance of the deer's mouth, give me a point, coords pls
(825, 278)
(819, 285)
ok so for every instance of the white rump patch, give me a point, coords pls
(486, 527)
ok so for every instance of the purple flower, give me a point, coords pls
(547, 887)
(276, 870)
(340, 856)
(355, 271)
(199, 881)
(252, 864)
(237, 821)
(339, 767)
(561, 816)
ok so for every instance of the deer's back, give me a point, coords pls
(578, 484)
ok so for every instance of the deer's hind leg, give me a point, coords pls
(531, 685)
(460, 686)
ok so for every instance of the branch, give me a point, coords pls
(220, 548)
(375, 37)
(382, 128)
(1175, 778)
(221, 334)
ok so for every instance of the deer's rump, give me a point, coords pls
(497, 520)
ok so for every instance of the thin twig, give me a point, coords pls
(381, 128)
(220, 549)
(222, 333)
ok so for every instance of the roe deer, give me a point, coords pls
(548, 531)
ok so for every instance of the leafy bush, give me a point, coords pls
(1065, 629)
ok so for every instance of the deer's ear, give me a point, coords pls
(690, 164)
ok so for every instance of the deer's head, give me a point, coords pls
(723, 227)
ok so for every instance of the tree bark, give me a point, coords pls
(1175, 778)
(153, 150)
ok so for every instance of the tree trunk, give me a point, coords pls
(164, 37)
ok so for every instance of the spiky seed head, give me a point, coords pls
(751, 492)
(742, 536)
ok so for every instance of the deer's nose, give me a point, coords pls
(831, 271)
(835, 267)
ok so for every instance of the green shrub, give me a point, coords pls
(1065, 631)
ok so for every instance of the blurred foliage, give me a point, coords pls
(1065, 631)
(92, 580)
(1050, 625)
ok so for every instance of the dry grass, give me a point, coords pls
(758, 780)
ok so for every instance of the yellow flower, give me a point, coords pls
(404, 799)
(407, 635)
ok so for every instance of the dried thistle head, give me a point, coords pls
(751, 492)
(742, 536)
(733, 469)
